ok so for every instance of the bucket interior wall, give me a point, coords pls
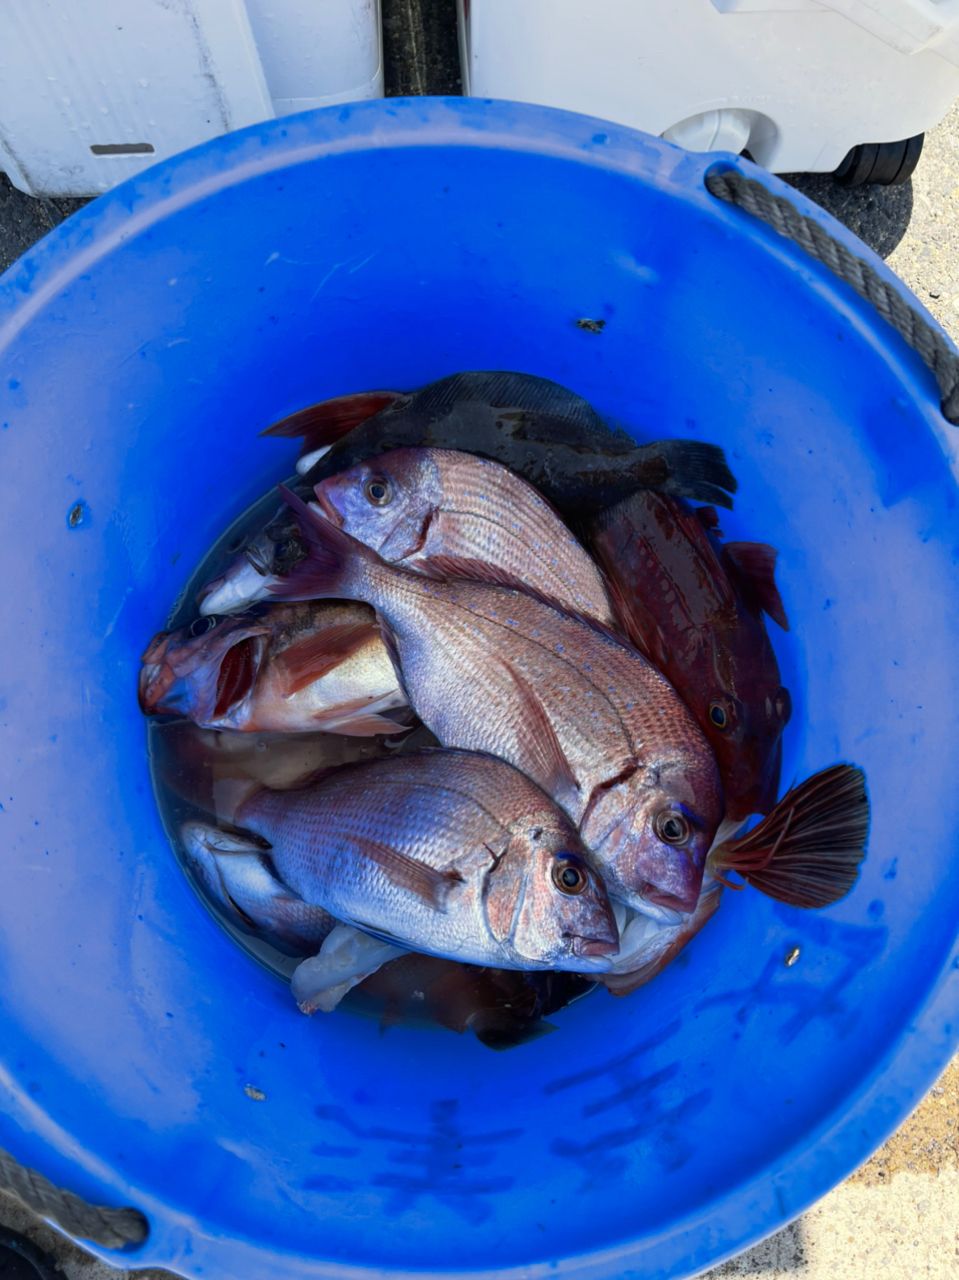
(143, 348)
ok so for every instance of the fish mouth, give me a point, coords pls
(156, 676)
(326, 506)
(148, 691)
(161, 693)
(594, 947)
(684, 903)
(241, 586)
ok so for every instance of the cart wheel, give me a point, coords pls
(21, 1260)
(885, 163)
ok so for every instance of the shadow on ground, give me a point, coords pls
(878, 215)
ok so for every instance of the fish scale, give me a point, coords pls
(572, 702)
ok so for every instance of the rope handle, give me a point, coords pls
(780, 214)
(112, 1228)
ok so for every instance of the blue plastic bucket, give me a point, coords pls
(144, 344)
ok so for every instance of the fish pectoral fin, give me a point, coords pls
(689, 469)
(754, 564)
(432, 885)
(708, 517)
(469, 568)
(323, 424)
(540, 742)
(639, 625)
(360, 718)
(808, 849)
(309, 659)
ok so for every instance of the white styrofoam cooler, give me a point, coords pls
(797, 83)
(91, 91)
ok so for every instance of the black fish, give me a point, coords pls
(539, 429)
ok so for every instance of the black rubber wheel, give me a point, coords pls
(21, 1260)
(885, 163)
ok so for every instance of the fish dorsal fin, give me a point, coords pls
(431, 885)
(541, 745)
(312, 657)
(323, 424)
(754, 564)
(504, 389)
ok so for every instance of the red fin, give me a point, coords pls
(543, 747)
(807, 851)
(321, 425)
(323, 573)
(755, 567)
(409, 873)
(639, 627)
(314, 656)
(708, 517)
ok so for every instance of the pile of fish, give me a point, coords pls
(557, 706)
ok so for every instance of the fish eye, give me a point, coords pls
(378, 491)
(201, 626)
(672, 827)
(569, 877)
(718, 715)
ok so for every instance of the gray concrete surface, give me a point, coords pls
(897, 1218)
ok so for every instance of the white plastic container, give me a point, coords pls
(797, 83)
(91, 91)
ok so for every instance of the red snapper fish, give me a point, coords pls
(414, 506)
(452, 853)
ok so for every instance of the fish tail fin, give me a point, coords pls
(332, 567)
(321, 425)
(692, 469)
(808, 849)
